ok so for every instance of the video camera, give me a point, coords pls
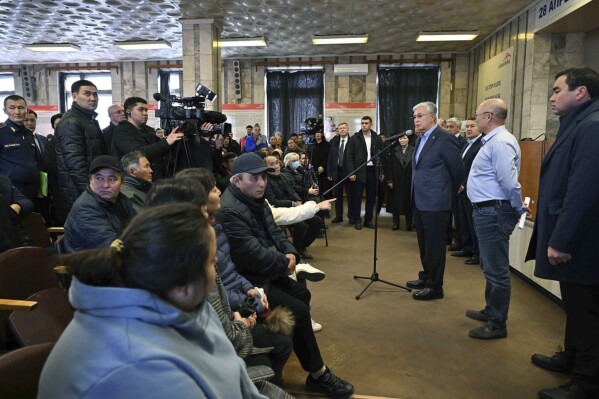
(313, 125)
(189, 113)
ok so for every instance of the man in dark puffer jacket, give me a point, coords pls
(101, 213)
(266, 258)
(79, 140)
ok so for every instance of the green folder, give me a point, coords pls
(43, 180)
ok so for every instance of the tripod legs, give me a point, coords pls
(373, 279)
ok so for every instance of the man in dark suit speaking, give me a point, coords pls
(566, 232)
(437, 171)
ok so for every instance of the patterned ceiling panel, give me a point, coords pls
(287, 25)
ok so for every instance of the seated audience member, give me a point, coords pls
(223, 174)
(280, 193)
(101, 212)
(138, 178)
(303, 184)
(238, 291)
(142, 303)
(14, 198)
(255, 141)
(291, 147)
(12, 233)
(265, 257)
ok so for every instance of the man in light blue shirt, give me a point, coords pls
(494, 191)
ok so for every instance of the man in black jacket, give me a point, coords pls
(266, 258)
(337, 171)
(138, 179)
(133, 134)
(566, 232)
(360, 148)
(78, 141)
(101, 212)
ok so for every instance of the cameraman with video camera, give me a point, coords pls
(134, 134)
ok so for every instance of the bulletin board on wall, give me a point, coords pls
(532, 154)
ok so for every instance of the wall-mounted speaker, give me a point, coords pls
(28, 81)
(237, 79)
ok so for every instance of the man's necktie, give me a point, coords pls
(341, 152)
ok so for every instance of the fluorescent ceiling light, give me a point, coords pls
(62, 47)
(344, 39)
(447, 36)
(243, 42)
(143, 45)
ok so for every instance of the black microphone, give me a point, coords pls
(396, 136)
(159, 97)
(214, 117)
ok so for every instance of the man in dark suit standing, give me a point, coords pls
(566, 233)
(437, 172)
(337, 171)
(467, 236)
(453, 126)
(360, 148)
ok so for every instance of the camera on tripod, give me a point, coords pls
(313, 125)
(188, 113)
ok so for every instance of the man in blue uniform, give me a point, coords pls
(17, 148)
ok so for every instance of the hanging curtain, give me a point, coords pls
(292, 97)
(399, 90)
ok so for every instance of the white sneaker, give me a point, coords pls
(307, 272)
(316, 326)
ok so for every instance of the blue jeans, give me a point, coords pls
(494, 225)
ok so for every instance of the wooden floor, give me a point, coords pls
(391, 346)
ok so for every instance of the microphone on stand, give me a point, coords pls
(396, 136)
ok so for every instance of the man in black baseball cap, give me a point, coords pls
(101, 212)
(264, 256)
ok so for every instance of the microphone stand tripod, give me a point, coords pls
(374, 277)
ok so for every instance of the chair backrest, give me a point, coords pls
(46, 322)
(23, 272)
(20, 371)
(36, 226)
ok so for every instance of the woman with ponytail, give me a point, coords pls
(142, 326)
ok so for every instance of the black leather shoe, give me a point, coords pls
(462, 254)
(351, 221)
(428, 294)
(561, 361)
(474, 260)
(479, 315)
(330, 385)
(395, 226)
(571, 390)
(337, 220)
(358, 226)
(487, 332)
(453, 247)
(416, 284)
(369, 225)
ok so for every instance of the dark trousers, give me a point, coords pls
(305, 232)
(581, 304)
(282, 348)
(432, 235)
(358, 189)
(339, 195)
(466, 239)
(295, 297)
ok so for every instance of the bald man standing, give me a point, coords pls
(116, 113)
(495, 194)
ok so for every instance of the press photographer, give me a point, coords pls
(134, 134)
